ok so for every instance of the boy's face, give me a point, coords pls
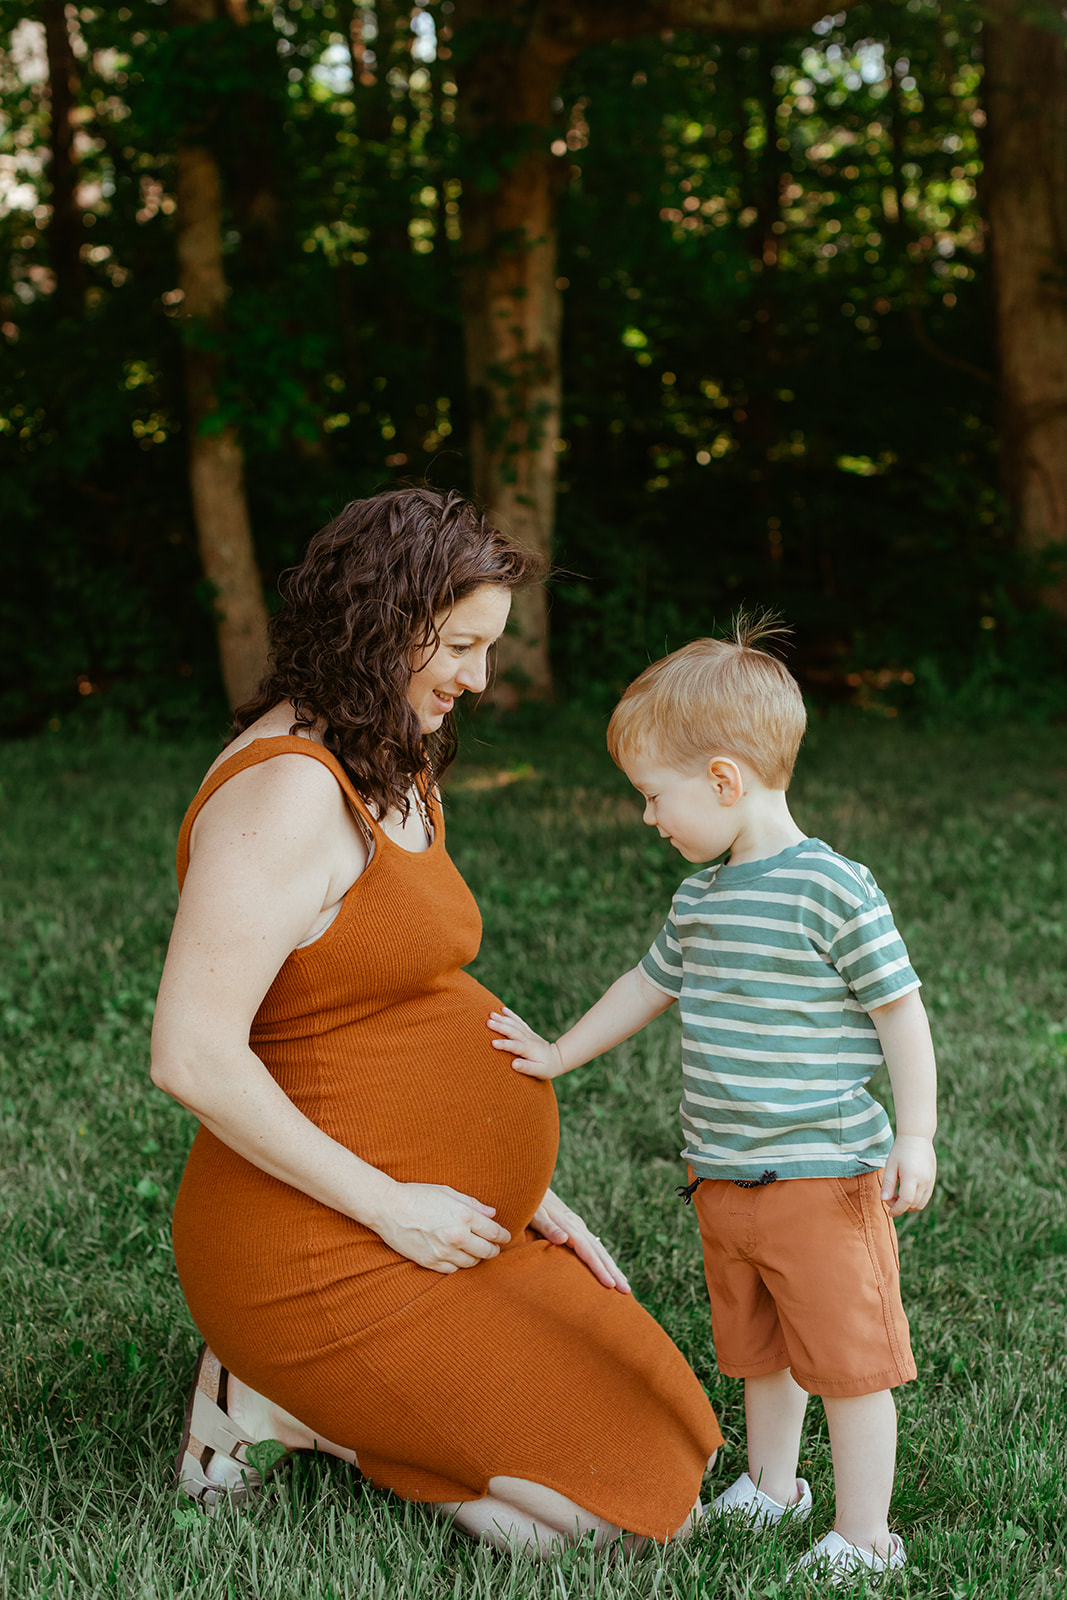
(690, 808)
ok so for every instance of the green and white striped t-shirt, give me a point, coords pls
(774, 965)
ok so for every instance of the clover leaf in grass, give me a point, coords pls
(265, 1455)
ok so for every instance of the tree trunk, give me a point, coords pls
(512, 314)
(1026, 208)
(512, 309)
(216, 462)
(65, 230)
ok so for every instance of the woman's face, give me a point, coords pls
(460, 660)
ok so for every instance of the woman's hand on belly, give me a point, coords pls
(439, 1228)
(560, 1225)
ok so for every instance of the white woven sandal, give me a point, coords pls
(208, 1432)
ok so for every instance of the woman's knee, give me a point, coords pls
(688, 1527)
(529, 1518)
(548, 1508)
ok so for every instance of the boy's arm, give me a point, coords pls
(904, 1034)
(624, 1009)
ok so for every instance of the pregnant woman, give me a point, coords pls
(365, 1232)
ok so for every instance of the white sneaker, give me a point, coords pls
(744, 1499)
(833, 1560)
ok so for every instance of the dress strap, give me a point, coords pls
(250, 755)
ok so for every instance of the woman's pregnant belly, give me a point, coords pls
(419, 1092)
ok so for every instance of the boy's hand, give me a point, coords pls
(531, 1054)
(910, 1171)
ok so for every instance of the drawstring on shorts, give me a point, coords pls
(686, 1191)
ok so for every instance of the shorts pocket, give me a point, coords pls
(846, 1193)
(893, 1235)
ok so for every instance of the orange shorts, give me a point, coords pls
(804, 1273)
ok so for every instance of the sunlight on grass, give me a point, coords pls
(965, 834)
(462, 782)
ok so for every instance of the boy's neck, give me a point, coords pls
(766, 826)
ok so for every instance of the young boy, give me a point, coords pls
(793, 985)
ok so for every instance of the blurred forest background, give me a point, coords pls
(721, 300)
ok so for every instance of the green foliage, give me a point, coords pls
(777, 342)
(774, 256)
(195, 81)
(96, 1349)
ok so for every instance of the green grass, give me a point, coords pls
(965, 835)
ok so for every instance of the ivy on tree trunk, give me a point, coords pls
(1026, 208)
(65, 231)
(510, 60)
(216, 462)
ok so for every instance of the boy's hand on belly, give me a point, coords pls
(910, 1172)
(439, 1228)
(531, 1055)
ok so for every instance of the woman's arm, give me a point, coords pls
(274, 848)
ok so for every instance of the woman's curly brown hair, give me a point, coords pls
(358, 608)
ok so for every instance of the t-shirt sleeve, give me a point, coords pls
(662, 966)
(871, 956)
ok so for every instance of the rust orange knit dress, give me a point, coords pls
(522, 1366)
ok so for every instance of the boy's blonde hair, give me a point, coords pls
(716, 697)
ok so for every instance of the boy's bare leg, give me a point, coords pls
(863, 1440)
(774, 1417)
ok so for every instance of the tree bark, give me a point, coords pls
(1026, 209)
(512, 308)
(512, 313)
(65, 230)
(216, 461)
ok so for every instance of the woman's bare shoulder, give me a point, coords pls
(287, 794)
(274, 724)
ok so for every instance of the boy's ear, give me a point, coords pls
(726, 779)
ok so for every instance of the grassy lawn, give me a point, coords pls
(965, 835)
